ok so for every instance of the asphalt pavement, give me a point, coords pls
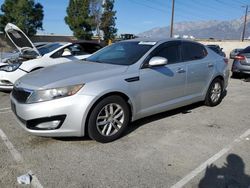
(194, 146)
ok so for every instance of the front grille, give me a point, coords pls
(20, 94)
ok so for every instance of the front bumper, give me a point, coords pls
(10, 77)
(237, 67)
(74, 108)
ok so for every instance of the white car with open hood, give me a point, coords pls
(32, 58)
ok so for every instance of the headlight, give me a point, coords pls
(10, 68)
(50, 94)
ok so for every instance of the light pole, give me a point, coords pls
(172, 20)
(245, 23)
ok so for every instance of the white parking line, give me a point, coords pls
(13, 151)
(5, 112)
(2, 109)
(211, 160)
(18, 158)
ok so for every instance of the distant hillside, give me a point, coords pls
(203, 29)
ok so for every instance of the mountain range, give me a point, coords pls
(231, 29)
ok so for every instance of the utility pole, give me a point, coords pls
(245, 23)
(172, 20)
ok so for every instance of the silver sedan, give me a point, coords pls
(241, 63)
(121, 83)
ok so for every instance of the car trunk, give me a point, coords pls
(247, 59)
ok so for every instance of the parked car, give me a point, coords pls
(235, 52)
(241, 63)
(15, 54)
(122, 82)
(33, 58)
(217, 49)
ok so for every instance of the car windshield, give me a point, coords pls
(48, 48)
(123, 53)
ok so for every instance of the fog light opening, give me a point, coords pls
(49, 125)
(46, 123)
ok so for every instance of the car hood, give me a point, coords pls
(71, 73)
(18, 38)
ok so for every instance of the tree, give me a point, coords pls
(96, 13)
(108, 20)
(26, 14)
(78, 18)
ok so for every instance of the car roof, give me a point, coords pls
(151, 39)
(84, 42)
(213, 45)
(160, 40)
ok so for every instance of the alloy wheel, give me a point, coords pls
(215, 92)
(110, 119)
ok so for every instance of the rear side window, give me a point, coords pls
(90, 48)
(77, 49)
(192, 51)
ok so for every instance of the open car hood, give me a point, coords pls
(19, 39)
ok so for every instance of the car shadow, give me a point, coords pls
(230, 175)
(244, 77)
(182, 110)
(72, 139)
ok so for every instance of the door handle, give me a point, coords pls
(210, 65)
(180, 70)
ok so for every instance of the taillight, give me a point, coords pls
(240, 58)
(226, 60)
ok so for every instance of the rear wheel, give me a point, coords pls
(108, 119)
(214, 93)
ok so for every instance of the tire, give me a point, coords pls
(215, 93)
(105, 126)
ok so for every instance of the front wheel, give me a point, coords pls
(214, 93)
(108, 119)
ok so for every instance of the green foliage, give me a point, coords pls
(78, 18)
(108, 20)
(26, 14)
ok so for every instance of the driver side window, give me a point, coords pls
(59, 53)
(170, 52)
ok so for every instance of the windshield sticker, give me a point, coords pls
(146, 43)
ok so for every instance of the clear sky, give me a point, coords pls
(135, 16)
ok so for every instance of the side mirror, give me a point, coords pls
(66, 53)
(157, 61)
